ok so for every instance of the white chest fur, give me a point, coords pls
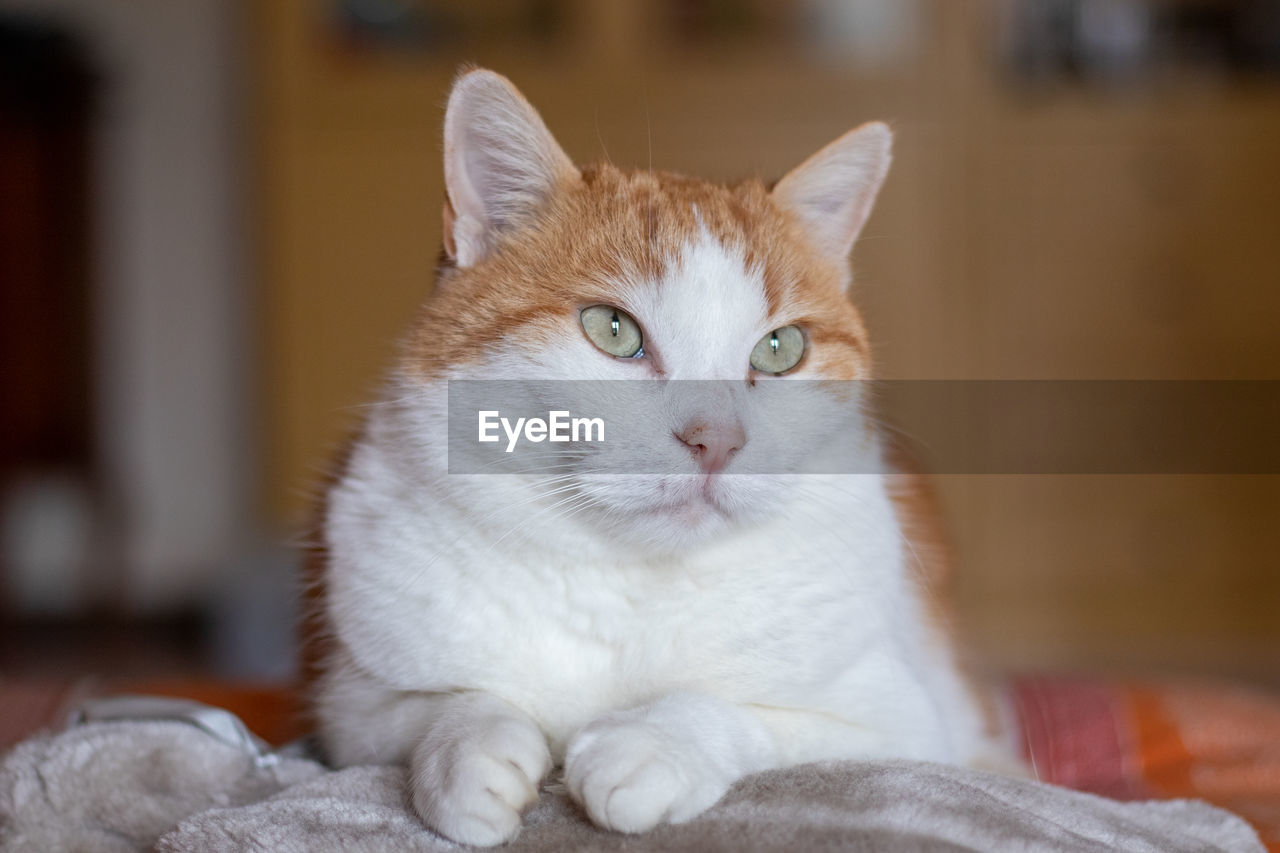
(813, 611)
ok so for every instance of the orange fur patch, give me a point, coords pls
(930, 563)
(612, 226)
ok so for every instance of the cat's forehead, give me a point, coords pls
(705, 309)
(693, 259)
(661, 214)
(726, 238)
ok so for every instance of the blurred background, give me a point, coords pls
(216, 218)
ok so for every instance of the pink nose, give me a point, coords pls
(713, 443)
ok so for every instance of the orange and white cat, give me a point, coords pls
(657, 636)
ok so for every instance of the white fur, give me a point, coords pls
(659, 644)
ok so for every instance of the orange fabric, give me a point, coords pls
(274, 713)
(1213, 742)
(1217, 743)
(1165, 761)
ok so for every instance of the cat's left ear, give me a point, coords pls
(832, 192)
(501, 164)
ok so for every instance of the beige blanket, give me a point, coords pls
(178, 785)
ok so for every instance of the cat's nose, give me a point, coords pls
(713, 442)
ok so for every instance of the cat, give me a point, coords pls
(657, 636)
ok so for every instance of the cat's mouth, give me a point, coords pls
(693, 498)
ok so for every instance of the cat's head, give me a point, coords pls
(554, 272)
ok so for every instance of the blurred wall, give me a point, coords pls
(1069, 230)
(172, 346)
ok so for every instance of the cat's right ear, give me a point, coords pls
(832, 192)
(500, 164)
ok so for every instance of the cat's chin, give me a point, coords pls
(662, 515)
(672, 529)
(693, 512)
(682, 521)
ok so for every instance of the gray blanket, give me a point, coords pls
(184, 783)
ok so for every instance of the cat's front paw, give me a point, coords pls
(630, 776)
(471, 782)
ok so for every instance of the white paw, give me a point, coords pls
(630, 776)
(470, 783)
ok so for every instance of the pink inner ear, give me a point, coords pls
(500, 163)
(833, 191)
(446, 219)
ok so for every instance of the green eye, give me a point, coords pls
(778, 351)
(612, 330)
